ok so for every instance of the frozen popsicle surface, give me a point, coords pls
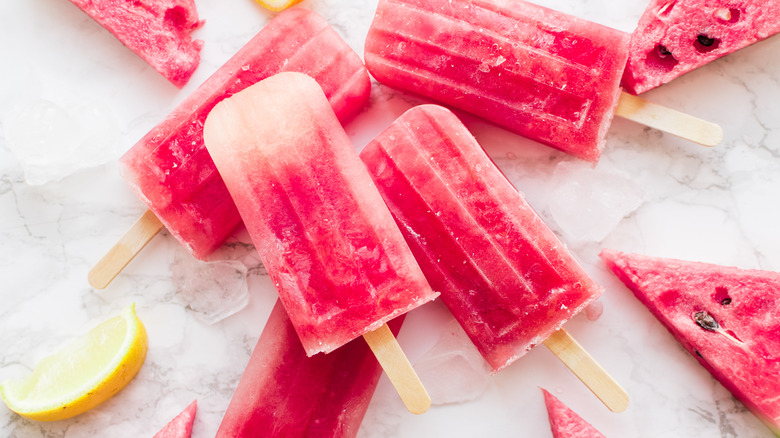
(674, 37)
(501, 271)
(329, 243)
(283, 393)
(543, 74)
(170, 169)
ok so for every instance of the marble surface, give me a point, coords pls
(681, 200)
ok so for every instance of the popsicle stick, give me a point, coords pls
(571, 353)
(133, 241)
(668, 120)
(398, 369)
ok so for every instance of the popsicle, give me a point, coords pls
(156, 30)
(328, 242)
(283, 393)
(675, 37)
(170, 169)
(540, 73)
(501, 271)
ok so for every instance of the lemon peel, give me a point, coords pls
(84, 373)
(277, 5)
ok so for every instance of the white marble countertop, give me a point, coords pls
(682, 200)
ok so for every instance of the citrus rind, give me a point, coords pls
(82, 374)
(277, 5)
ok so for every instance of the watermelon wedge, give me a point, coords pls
(727, 318)
(157, 30)
(565, 423)
(676, 36)
(181, 425)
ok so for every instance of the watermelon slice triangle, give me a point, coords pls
(676, 36)
(565, 423)
(727, 318)
(156, 30)
(181, 425)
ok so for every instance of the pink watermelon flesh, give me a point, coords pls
(727, 318)
(676, 36)
(157, 30)
(181, 425)
(565, 423)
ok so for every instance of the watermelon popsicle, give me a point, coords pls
(543, 74)
(284, 393)
(170, 169)
(501, 271)
(328, 242)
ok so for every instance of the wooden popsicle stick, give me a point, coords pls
(571, 353)
(668, 120)
(133, 241)
(398, 369)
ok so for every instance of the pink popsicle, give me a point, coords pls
(171, 170)
(323, 233)
(540, 73)
(156, 30)
(283, 393)
(339, 263)
(501, 271)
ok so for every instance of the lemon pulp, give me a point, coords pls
(84, 373)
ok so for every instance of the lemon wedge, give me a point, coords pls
(84, 373)
(277, 5)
